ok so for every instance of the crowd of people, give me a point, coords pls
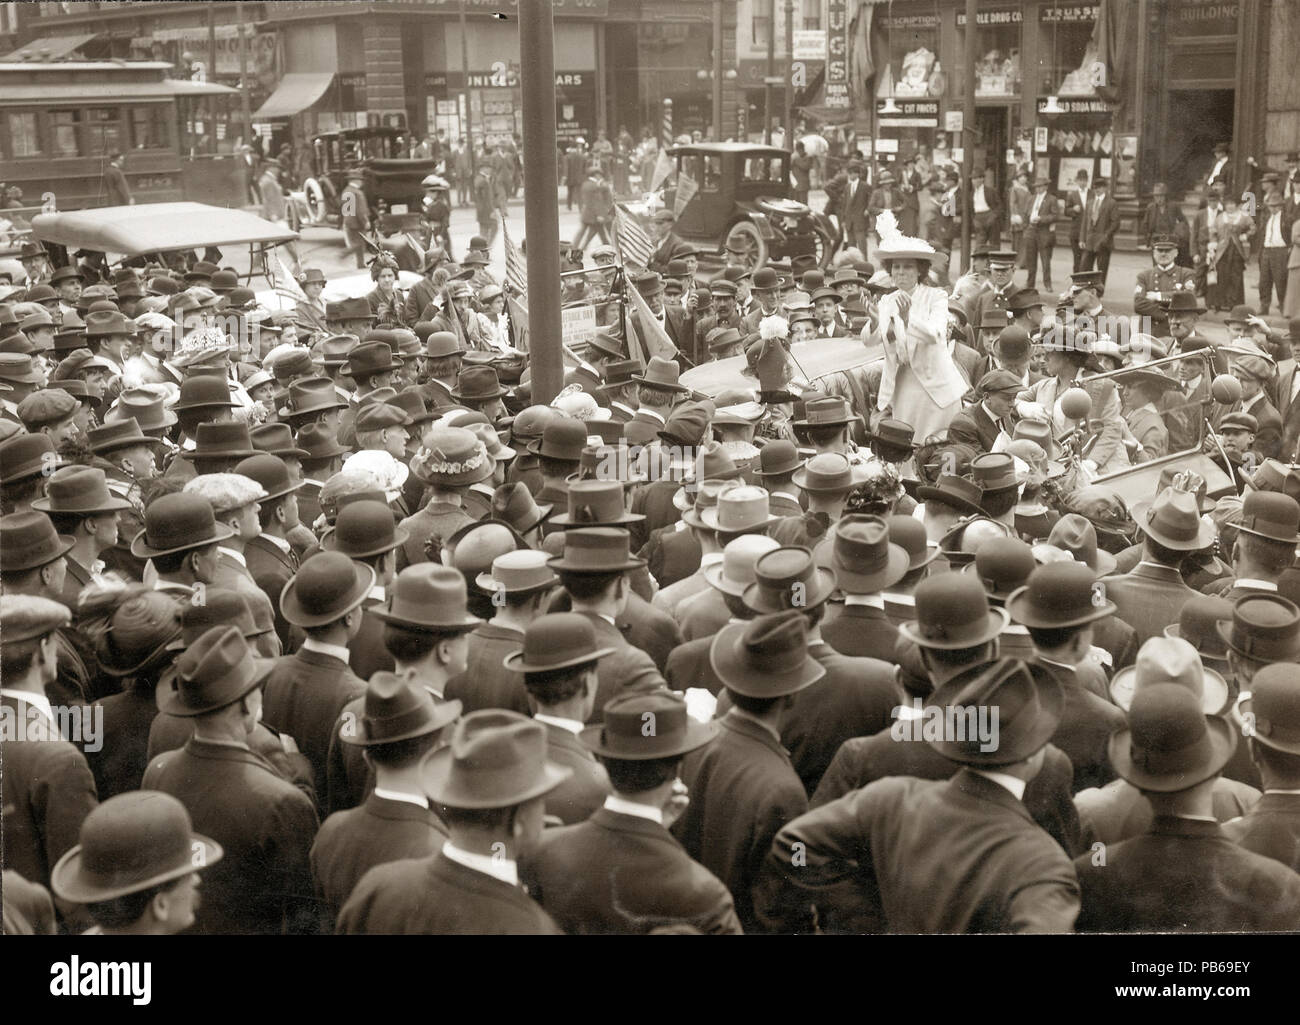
(319, 621)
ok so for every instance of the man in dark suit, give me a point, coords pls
(400, 723)
(986, 210)
(1002, 269)
(1040, 233)
(1286, 397)
(364, 531)
(1184, 874)
(263, 823)
(777, 462)
(668, 245)
(471, 885)
(865, 564)
(1076, 201)
(743, 787)
(854, 212)
(48, 787)
(1097, 232)
(558, 660)
(1272, 827)
(1254, 373)
(980, 425)
(1275, 250)
(306, 691)
(961, 855)
(621, 872)
(270, 557)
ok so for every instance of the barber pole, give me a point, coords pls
(666, 129)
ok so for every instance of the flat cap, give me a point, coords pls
(24, 617)
(378, 415)
(44, 407)
(225, 491)
(1231, 421)
(999, 380)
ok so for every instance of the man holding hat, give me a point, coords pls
(399, 723)
(491, 781)
(1099, 222)
(943, 856)
(621, 872)
(1184, 874)
(48, 787)
(1158, 284)
(263, 823)
(137, 866)
(1040, 232)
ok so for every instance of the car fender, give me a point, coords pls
(759, 220)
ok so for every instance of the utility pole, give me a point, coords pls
(542, 211)
(212, 74)
(464, 74)
(967, 138)
(718, 135)
(771, 72)
(789, 75)
(243, 77)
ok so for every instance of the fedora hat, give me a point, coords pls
(496, 759)
(202, 392)
(271, 473)
(518, 572)
(893, 433)
(952, 612)
(619, 373)
(349, 309)
(326, 588)
(788, 578)
(706, 497)
(1198, 624)
(145, 407)
(427, 596)
(859, 552)
(827, 412)
(202, 269)
(318, 442)
(622, 733)
(1002, 564)
(663, 374)
(596, 550)
(909, 534)
(562, 438)
(559, 640)
(28, 540)
(121, 434)
(277, 440)
(220, 607)
(477, 384)
(736, 572)
(131, 843)
(221, 440)
(79, 491)
(1026, 698)
(452, 457)
(371, 358)
(107, 323)
(398, 708)
(1174, 520)
(1059, 595)
(1271, 707)
(1169, 744)
(958, 492)
(1170, 660)
(214, 672)
(737, 509)
(333, 351)
(311, 395)
(1264, 628)
(18, 366)
(362, 530)
(829, 473)
(515, 505)
(177, 523)
(1074, 534)
(27, 455)
(596, 503)
(766, 657)
(1273, 516)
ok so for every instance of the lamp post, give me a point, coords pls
(717, 70)
(771, 72)
(967, 137)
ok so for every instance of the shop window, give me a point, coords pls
(65, 140)
(23, 140)
(103, 131)
(913, 69)
(149, 127)
(997, 51)
(1065, 38)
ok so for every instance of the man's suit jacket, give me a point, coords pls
(1119, 811)
(1270, 828)
(671, 554)
(436, 896)
(1149, 598)
(625, 668)
(854, 212)
(234, 577)
(1044, 229)
(486, 682)
(973, 426)
(265, 826)
(703, 615)
(956, 856)
(271, 569)
(48, 791)
(689, 666)
(366, 652)
(665, 250)
(860, 630)
(1100, 222)
(650, 629)
(582, 793)
(1186, 875)
(1268, 439)
(670, 596)
(303, 697)
(642, 429)
(28, 908)
(352, 842)
(618, 874)
(968, 362)
(742, 790)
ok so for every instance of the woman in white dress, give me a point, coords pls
(919, 383)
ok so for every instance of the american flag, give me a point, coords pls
(633, 243)
(516, 268)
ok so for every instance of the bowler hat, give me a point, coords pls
(1174, 520)
(1170, 744)
(107, 324)
(622, 733)
(429, 597)
(221, 440)
(398, 708)
(1271, 708)
(1059, 595)
(202, 270)
(214, 672)
(766, 657)
(909, 534)
(325, 589)
(596, 550)
(1012, 344)
(1272, 516)
(177, 523)
(441, 344)
(1002, 564)
(952, 612)
(203, 391)
(1198, 624)
(1026, 698)
(271, 473)
(28, 540)
(1163, 659)
(562, 438)
(1264, 628)
(860, 554)
(787, 578)
(559, 640)
(496, 759)
(522, 571)
(79, 491)
(364, 529)
(1184, 302)
(27, 455)
(777, 459)
(131, 843)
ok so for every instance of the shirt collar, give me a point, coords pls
(785, 494)
(337, 651)
(740, 713)
(32, 698)
(874, 601)
(503, 869)
(652, 414)
(279, 542)
(1012, 783)
(401, 795)
(237, 556)
(1257, 585)
(574, 726)
(642, 811)
(710, 559)
(377, 592)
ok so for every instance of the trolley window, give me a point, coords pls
(103, 131)
(65, 140)
(24, 140)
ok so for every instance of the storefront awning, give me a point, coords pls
(162, 89)
(49, 48)
(296, 92)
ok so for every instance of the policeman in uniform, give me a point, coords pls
(1002, 268)
(1157, 284)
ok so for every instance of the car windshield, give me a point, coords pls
(762, 169)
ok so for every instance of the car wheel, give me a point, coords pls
(745, 236)
(315, 195)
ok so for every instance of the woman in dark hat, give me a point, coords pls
(386, 300)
